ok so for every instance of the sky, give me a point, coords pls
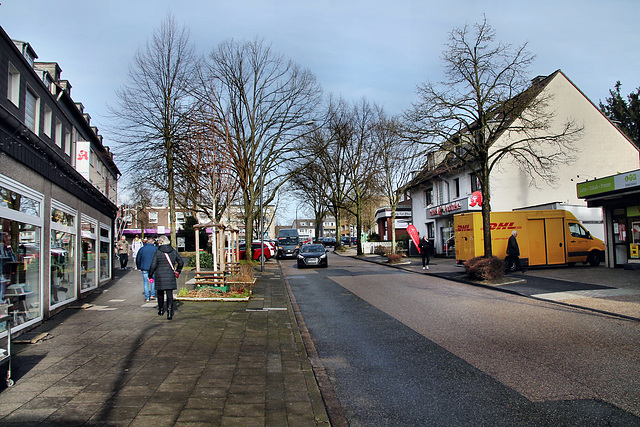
(376, 49)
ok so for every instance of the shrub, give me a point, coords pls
(484, 268)
(382, 250)
(206, 260)
(393, 258)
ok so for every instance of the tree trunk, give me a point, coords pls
(486, 213)
(172, 194)
(359, 225)
(393, 229)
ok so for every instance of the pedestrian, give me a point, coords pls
(123, 252)
(513, 252)
(143, 263)
(165, 268)
(136, 245)
(425, 247)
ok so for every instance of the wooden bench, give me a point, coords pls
(210, 278)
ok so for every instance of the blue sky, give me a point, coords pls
(373, 48)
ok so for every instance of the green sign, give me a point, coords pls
(596, 186)
(616, 182)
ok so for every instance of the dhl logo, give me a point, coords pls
(465, 227)
(503, 226)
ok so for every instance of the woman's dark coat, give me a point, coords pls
(161, 271)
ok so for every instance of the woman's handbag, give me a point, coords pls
(171, 264)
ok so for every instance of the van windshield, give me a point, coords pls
(288, 240)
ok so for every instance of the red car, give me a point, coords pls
(257, 253)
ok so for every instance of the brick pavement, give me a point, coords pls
(119, 363)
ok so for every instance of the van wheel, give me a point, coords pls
(594, 259)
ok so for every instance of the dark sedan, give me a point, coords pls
(312, 255)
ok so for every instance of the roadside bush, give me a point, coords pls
(484, 268)
(393, 258)
(382, 250)
(206, 260)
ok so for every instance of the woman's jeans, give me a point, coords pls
(149, 289)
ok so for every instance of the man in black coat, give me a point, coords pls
(513, 252)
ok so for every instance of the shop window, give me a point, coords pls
(63, 254)
(105, 252)
(18, 202)
(20, 270)
(88, 257)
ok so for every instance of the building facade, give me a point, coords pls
(619, 197)
(58, 186)
(444, 188)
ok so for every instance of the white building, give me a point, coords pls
(444, 189)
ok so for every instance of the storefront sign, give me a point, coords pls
(445, 209)
(83, 153)
(610, 183)
(633, 211)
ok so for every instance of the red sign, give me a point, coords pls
(440, 210)
(411, 229)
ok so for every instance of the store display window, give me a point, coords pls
(63, 255)
(105, 252)
(20, 252)
(89, 260)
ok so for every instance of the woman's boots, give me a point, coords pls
(160, 308)
(170, 310)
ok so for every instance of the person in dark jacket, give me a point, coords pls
(166, 266)
(513, 252)
(143, 263)
(425, 247)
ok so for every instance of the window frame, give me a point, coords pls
(35, 111)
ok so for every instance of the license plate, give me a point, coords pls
(312, 260)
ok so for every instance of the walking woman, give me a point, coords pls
(165, 268)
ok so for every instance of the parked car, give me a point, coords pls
(257, 252)
(312, 255)
(328, 241)
(344, 240)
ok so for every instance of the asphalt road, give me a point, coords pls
(407, 349)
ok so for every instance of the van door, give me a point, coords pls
(578, 242)
(537, 244)
(554, 235)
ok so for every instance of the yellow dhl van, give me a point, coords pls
(545, 237)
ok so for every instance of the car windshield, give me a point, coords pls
(312, 248)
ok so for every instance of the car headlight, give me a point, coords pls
(280, 247)
(323, 256)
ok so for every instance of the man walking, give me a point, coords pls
(123, 252)
(513, 252)
(425, 248)
(143, 262)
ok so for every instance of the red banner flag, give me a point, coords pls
(411, 229)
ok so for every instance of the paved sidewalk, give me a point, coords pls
(607, 290)
(119, 363)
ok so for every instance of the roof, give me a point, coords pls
(505, 114)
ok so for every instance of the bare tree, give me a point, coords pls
(207, 184)
(267, 103)
(154, 106)
(399, 160)
(362, 160)
(485, 112)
